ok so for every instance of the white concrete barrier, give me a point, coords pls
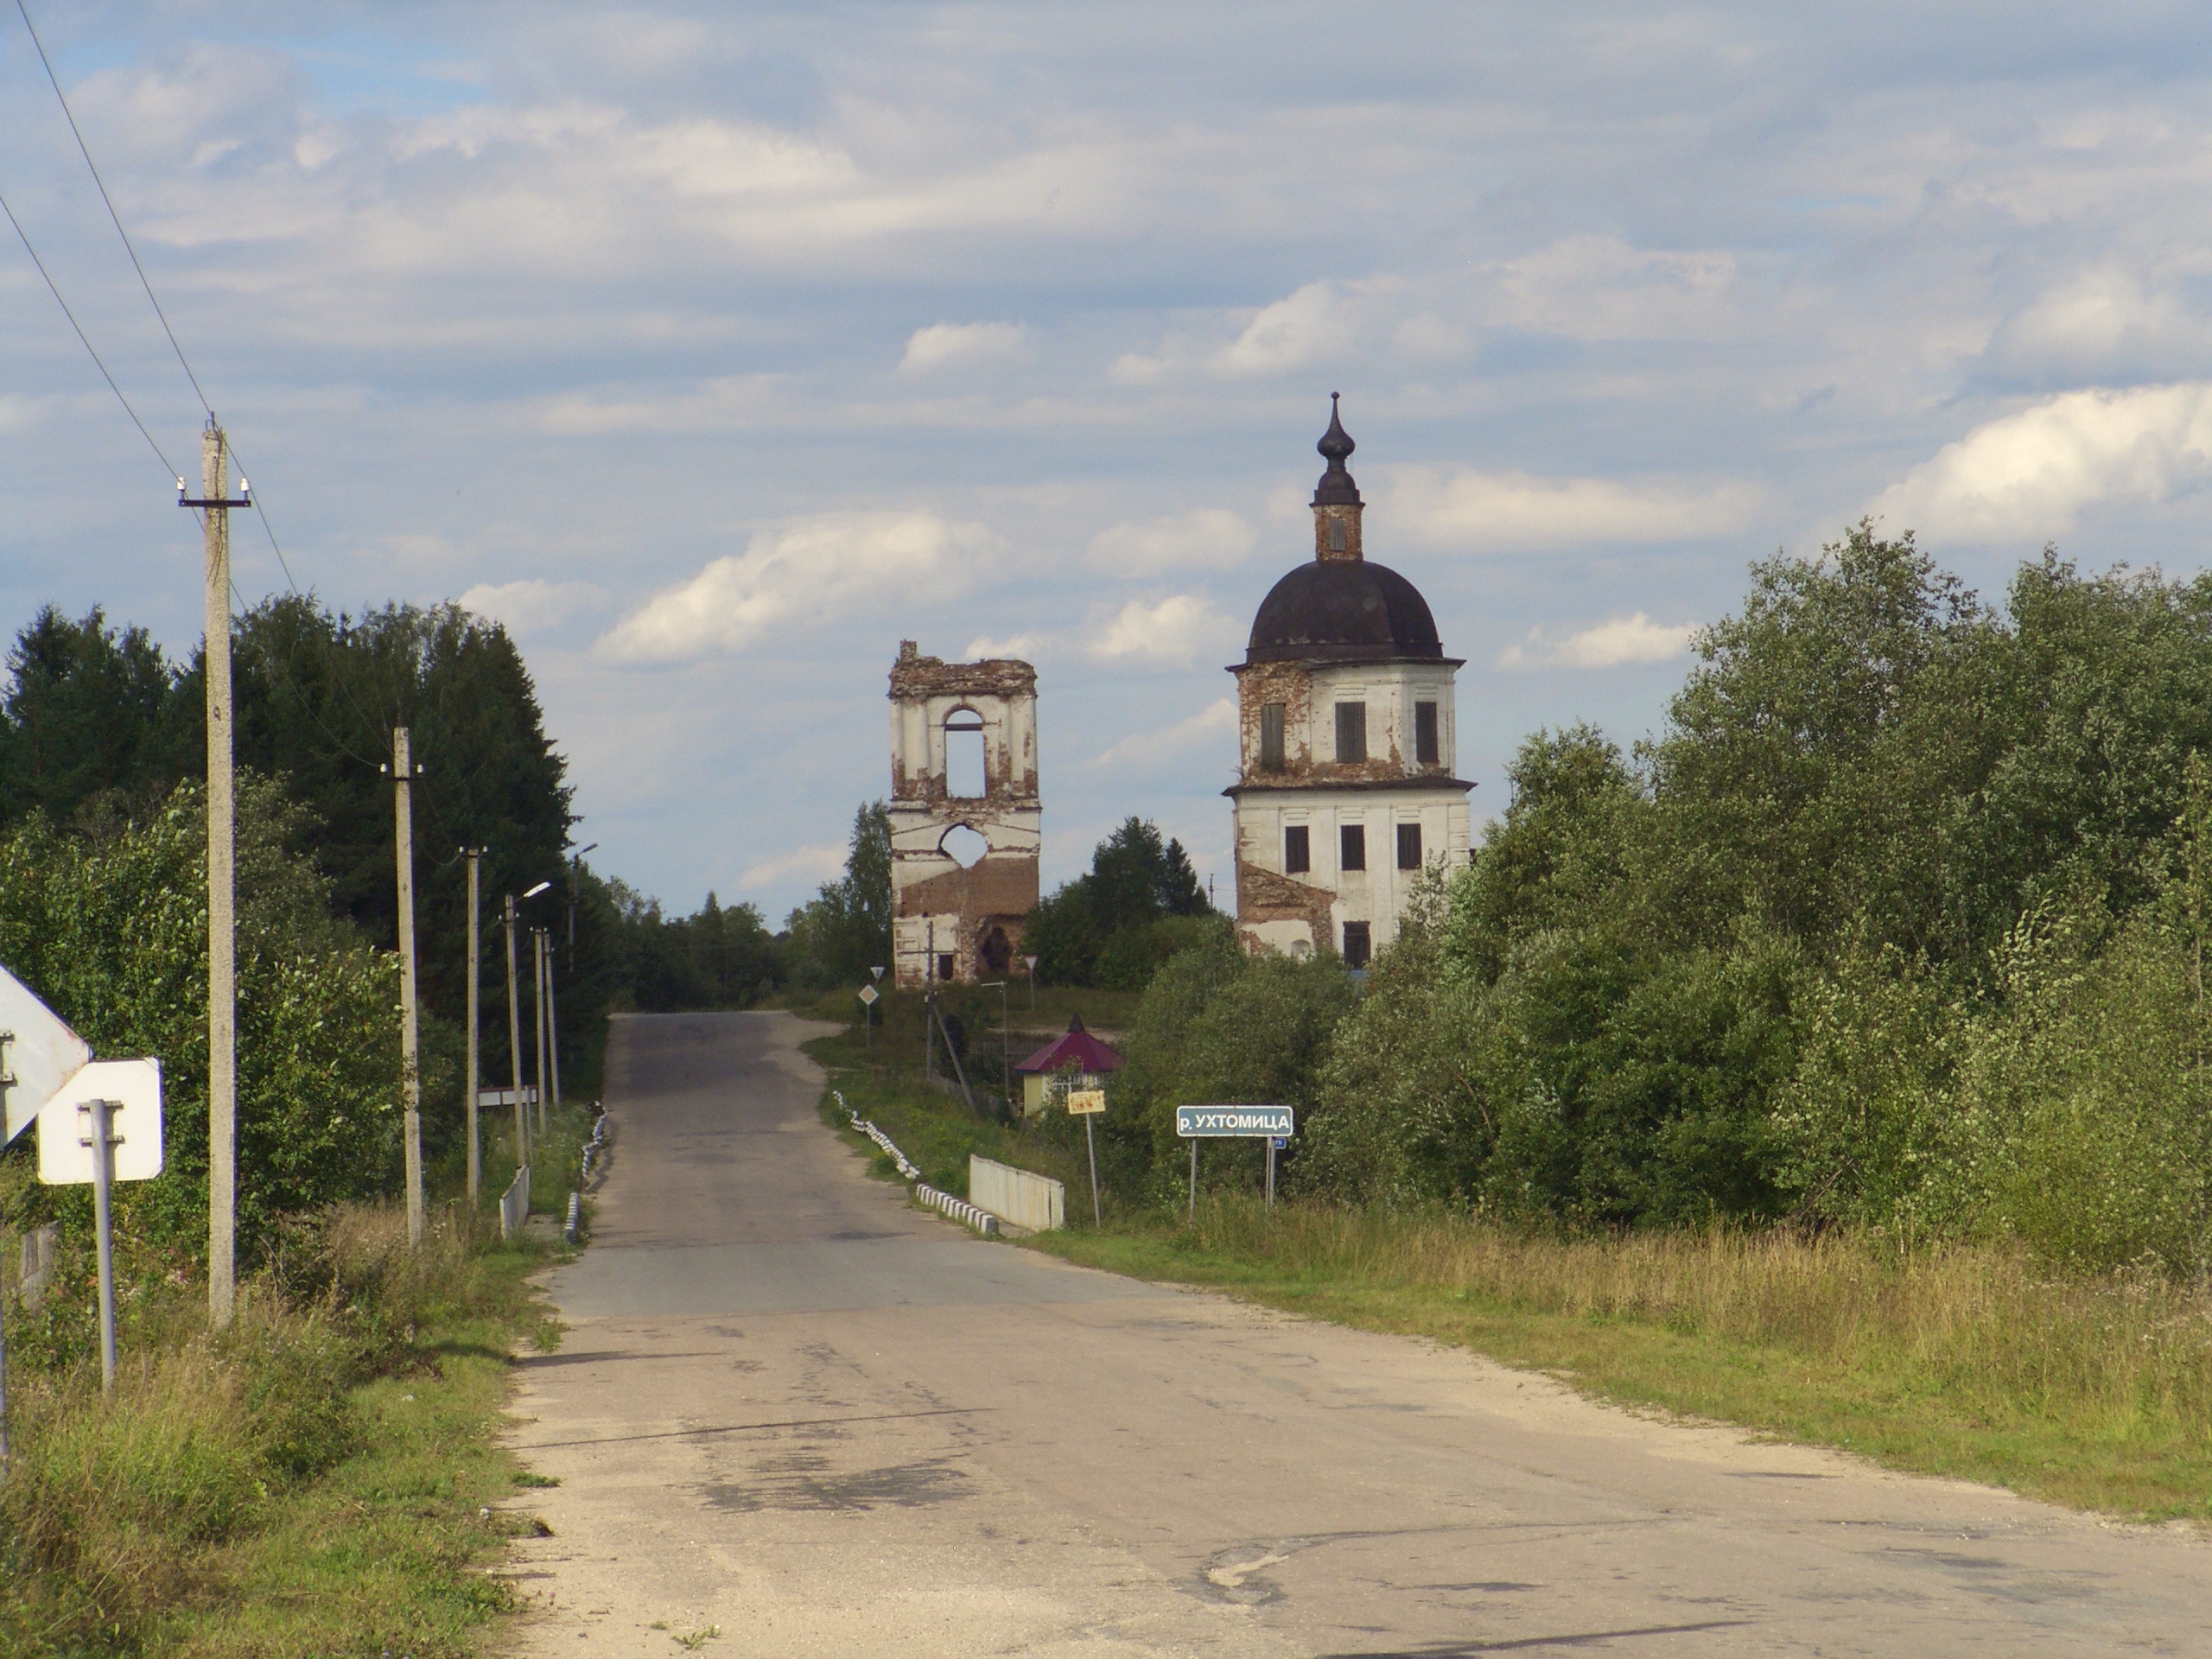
(1036, 1202)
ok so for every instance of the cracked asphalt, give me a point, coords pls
(793, 1410)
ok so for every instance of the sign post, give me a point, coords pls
(103, 1127)
(868, 1011)
(1197, 1124)
(1087, 1103)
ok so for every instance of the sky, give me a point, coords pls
(716, 349)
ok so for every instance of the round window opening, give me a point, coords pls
(964, 846)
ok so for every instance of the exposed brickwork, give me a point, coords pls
(1265, 895)
(1348, 518)
(1289, 684)
(939, 908)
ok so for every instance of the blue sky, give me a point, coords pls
(717, 349)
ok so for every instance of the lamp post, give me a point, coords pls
(1030, 963)
(576, 878)
(514, 1029)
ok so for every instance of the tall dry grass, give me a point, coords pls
(115, 1506)
(2127, 1354)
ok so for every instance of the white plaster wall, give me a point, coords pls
(1390, 691)
(1377, 895)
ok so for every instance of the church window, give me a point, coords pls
(1409, 846)
(1357, 948)
(1297, 853)
(1351, 731)
(1271, 737)
(1336, 535)
(964, 778)
(1354, 848)
(1425, 748)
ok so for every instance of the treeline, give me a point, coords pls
(1900, 919)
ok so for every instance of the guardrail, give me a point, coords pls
(959, 1208)
(514, 1204)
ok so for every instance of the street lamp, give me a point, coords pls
(514, 1028)
(1030, 963)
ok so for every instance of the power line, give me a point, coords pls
(85, 150)
(52, 288)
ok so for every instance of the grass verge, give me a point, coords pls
(1937, 1357)
(1959, 1360)
(324, 1478)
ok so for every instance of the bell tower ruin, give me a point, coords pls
(966, 823)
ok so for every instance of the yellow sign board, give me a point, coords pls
(1082, 1102)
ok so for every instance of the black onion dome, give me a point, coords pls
(1336, 488)
(1342, 611)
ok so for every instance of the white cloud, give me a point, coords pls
(1020, 646)
(1515, 512)
(1208, 538)
(2027, 475)
(1596, 288)
(1175, 629)
(525, 606)
(798, 575)
(1626, 639)
(1317, 320)
(2105, 323)
(1216, 720)
(821, 863)
(942, 343)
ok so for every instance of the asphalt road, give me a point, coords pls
(795, 1410)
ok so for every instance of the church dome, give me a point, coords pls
(1344, 611)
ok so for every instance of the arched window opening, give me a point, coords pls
(997, 953)
(965, 776)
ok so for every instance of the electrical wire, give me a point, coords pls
(53, 288)
(83, 149)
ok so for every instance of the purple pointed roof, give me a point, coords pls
(1073, 1049)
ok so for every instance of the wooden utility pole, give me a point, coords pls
(537, 1011)
(474, 1072)
(222, 883)
(514, 1041)
(411, 1076)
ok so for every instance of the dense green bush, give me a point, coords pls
(110, 927)
(1898, 920)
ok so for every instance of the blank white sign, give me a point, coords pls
(65, 1128)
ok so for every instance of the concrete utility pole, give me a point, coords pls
(222, 884)
(410, 1074)
(474, 1073)
(514, 1041)
(537, 1013)
(552, 1025)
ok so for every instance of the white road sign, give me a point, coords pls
(1083, 1100)
(868, 993)
(38, 1053)
(65, 1128)
(506, 1096)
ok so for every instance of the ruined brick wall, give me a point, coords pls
(971, 914)
(1264, 895)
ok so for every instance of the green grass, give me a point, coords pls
(323, 1480)
(935, 1129)
(1963, 1360)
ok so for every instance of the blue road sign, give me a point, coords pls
(1203, 1123)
